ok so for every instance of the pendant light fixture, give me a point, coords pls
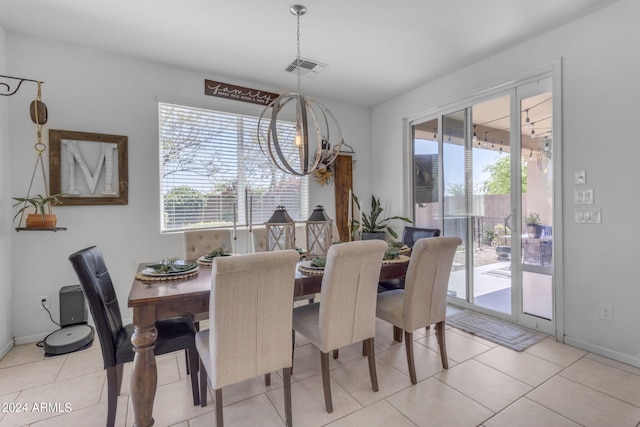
(315, 126)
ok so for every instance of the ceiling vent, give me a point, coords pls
(307, 67)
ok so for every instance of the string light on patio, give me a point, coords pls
(313, 121)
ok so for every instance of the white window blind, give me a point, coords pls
(210, 160)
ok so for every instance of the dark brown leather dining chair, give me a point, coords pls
(174, 334)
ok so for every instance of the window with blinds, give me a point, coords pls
(213, 171)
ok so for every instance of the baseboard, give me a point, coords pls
(30, 338)
(6, 349)
(614, 355)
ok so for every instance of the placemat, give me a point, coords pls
(401, 259)
(310, 271)
(145, 278)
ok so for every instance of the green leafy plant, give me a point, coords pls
(40, 204)
(373, 222)
(533, 219)
(216, 252)
(319, 261)
(170, 265)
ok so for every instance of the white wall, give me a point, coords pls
(601, 92)
(92, 91)
(6, 335)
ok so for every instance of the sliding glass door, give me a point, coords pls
(482, 172)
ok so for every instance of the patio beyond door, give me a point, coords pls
(484, 173)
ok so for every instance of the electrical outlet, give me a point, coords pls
(43, 300)
(606, 312)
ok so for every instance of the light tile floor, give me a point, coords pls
(550, 384)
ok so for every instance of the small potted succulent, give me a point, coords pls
(534, 228)
(373, 225)
(43, 216)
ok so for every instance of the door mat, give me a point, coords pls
(494, 330)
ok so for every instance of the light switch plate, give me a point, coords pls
(588, 215)
(581, 177)
(583, 197)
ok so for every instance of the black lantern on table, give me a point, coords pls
(319, 231)
(281, 230)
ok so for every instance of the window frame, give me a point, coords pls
(228, 108)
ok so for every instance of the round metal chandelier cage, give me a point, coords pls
(315, 126)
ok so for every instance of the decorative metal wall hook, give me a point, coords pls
(8, 88)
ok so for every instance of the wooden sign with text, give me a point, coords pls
(238, 93)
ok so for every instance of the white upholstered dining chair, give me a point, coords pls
(423, 301)
(250, 311)
(346, 312)
(200, 242)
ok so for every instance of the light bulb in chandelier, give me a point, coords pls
(299, 152)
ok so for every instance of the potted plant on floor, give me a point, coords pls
(373, 225)
(43, 216)
(534, 229)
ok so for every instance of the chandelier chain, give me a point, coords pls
(298, 46)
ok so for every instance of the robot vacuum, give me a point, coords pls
(68, 339)
(74, 333)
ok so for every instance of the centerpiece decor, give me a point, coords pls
(281, 230)
(319, 232)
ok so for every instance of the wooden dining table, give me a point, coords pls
(157, 300)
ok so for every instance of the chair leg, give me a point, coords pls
(112, 395)
(186, 360)
(293, 349)
(372, 363)
(193, 368)
(119, 370)
(203, 385)
(364, 349)
(397, 334)
(442, 344)
(287, 396)
(218, 398)
(326, 381)
(335, 353)
(408, 343)
(267, 380)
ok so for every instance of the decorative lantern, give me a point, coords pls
(319, 230)
(281, 230)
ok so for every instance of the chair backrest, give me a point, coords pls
(348, 296)
(410, 235)
(427, 281)
(200, 242)
(250, 308)
(98, 290)
(259, 237)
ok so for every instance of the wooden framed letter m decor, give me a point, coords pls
(88, 168)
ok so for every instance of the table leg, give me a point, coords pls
(144, 374)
